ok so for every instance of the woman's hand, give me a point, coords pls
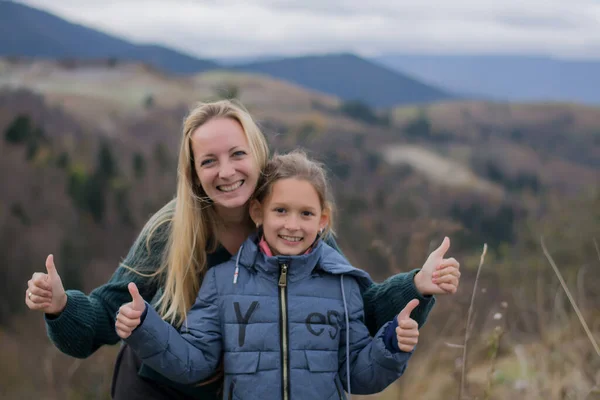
(45, 291)
(438, 275)
(129, 314)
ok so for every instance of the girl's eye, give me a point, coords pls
(206, 162)
(307, 214)
(280, 210)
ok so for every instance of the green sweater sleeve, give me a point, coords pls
(384, 301)
(88, 322)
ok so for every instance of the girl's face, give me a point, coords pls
(223, 162)
(291, 216)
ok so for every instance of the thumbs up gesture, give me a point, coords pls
(407, 331)
(45, 291)
(128, 316)
(438, 275)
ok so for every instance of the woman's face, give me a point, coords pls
(224, 163)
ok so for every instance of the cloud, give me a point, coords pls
(232, 28)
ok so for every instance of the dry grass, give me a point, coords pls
(504, 363)
(571, 299)
(469, 327)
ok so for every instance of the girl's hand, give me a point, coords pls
(407, 331)
(128, 316)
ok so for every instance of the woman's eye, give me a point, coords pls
(206, 162)
(239, 153)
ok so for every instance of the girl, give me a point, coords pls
(221, 156)
(286, 313)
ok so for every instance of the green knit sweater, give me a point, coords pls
(88, 321)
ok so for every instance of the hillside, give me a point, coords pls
(115, 97)
(559, 144)
(511, 78)
(351, 78)
(29, 32)
(88, 154)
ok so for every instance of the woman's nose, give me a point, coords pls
(226, 171)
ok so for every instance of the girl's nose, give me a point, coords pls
(291, 223)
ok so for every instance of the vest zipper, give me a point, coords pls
(338, 390)
(283, 328)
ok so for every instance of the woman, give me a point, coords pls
(221, 156)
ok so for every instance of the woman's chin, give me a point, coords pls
(233, 203)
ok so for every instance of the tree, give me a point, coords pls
(32, 149)
(63, 161)
(161, 157)
(123, 205)
(19, 212)
(374, 161)
(149, 102)
(76, 185)
(227, 91)
(360, 111)
(19, 131)
(139, 165)
(359, 140)
(95, 196)
(72, 263)
(420, 127)
(107, 167)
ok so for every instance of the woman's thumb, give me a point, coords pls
(50, 267)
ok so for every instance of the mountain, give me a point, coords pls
(513, 78)
(351, 78)
(29, 32)
(233, 60)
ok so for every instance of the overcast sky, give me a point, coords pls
(236, 28)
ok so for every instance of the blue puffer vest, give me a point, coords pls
(280, 326)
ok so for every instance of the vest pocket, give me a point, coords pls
(324, 365)
(322, 360)
(241, 362)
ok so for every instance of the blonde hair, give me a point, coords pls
(296, 164)
(193, 222)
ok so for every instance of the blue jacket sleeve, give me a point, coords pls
(191, 355)
(372, 367)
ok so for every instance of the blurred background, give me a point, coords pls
(479, 120)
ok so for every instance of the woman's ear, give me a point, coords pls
(256, 212)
